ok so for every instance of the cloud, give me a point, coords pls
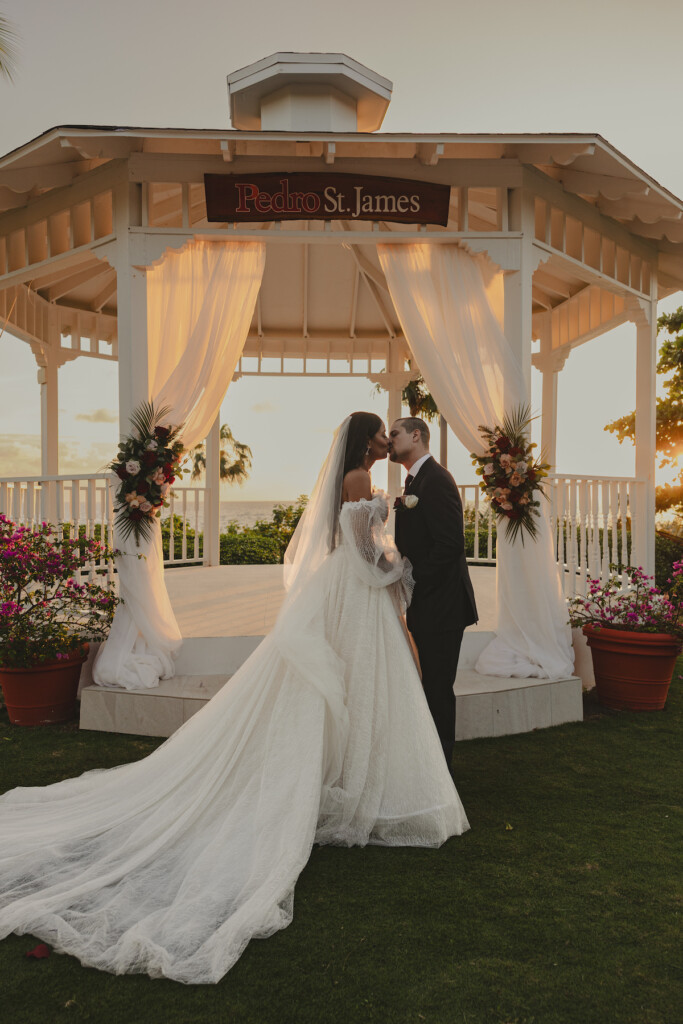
(99, 416)
(264, 407)
(20, 456)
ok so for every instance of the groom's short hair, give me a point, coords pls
(411, 423)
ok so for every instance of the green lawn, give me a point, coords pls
(561, 905)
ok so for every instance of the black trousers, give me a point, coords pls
(439, 653)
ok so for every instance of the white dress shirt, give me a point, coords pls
(416, 466)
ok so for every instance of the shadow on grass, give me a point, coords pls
(559, 907)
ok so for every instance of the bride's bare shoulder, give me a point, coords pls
(356, 485)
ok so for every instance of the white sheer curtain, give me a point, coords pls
(200, 303)
(440, 296)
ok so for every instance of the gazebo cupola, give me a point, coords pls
(303, 92)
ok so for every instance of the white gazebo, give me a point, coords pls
(585, 240)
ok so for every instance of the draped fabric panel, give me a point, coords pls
(200, 303)
(442, 298)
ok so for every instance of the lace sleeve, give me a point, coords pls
(372, 551)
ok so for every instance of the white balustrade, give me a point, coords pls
(591, 519)
(82, 504)
(592, 524)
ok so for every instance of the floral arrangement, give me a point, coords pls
(638, 607)
(511, 475)
(45, 613)
(406, 501)
(147, 463)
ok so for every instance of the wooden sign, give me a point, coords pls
(263, 197)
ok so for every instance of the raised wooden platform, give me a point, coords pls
(224, 613)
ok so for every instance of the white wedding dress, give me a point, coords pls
(172, 864)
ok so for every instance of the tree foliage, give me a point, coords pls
(669, 411)
(235, 459)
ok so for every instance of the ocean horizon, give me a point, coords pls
(245, 513)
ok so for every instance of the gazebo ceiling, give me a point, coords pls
(585, 165)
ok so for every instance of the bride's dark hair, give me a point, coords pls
(363, 427)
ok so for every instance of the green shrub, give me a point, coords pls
(668, 549)
(247, 547)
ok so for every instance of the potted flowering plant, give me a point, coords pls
(511, 476)
(46, 618)
(635, 634)
(147, 463)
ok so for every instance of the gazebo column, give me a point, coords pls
(443, 442)
(212, 545)
(48, 379)
(643, 516)
(517, 288)
(550, 362)
(134, 383)
(131, 295)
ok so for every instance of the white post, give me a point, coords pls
(550, 363)
(643, 517)
(131, 292)
(394, 469)
(49, 416)
(212, 547)
(517, 288)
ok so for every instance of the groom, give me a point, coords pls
(430, 533)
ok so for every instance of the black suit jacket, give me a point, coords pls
(432, 536)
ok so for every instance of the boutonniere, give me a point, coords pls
(406, 501)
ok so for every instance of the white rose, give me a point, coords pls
(410, 500)
(132, 467)
(151, 445)
(506, 505)
(488, 469)
(145, 506)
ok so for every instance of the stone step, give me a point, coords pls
(486, 705)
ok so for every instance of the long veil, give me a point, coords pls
(316, 533)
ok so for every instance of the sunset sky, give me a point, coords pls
(611, 68)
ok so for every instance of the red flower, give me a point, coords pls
(515, 451)
(168, 470)
(121, 472)
(39, 952)
(135, 514)
(149, 458)
(503, 443)
(162, 433)
(142, 487)
(530, 475)
(171, 479)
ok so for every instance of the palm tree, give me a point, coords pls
(8, 49)
(235, 459)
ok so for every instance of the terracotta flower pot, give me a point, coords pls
(44, 694)
(632, 670)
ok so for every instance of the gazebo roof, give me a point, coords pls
(584, 164)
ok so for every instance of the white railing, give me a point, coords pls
(592, 519)
(190, 504)
(83, 503)
(594, 525)
(478, 514)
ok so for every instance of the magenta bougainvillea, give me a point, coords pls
(46, 611)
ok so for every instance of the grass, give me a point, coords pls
(559, 907)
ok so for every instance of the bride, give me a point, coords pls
(172, 864)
